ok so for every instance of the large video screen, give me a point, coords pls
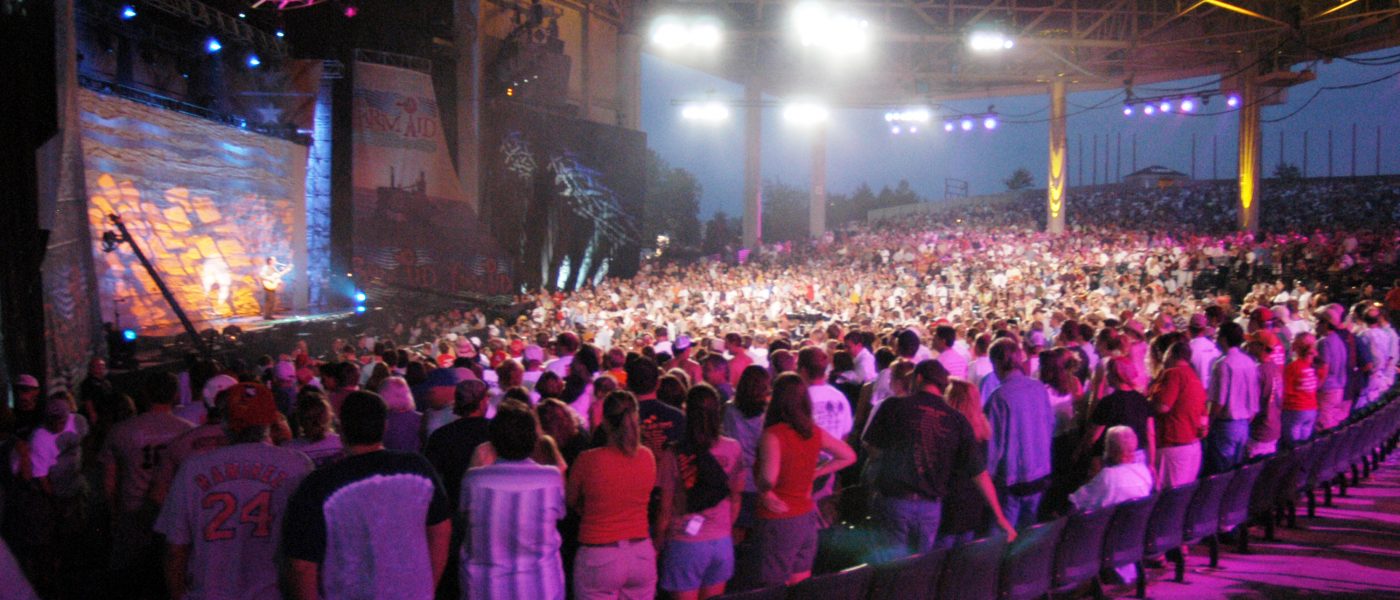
(207, 203)
(563, 195)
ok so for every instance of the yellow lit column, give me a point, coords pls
(1059, 146)
(1251, 139)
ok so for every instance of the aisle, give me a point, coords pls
(1351, 550)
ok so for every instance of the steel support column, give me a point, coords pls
(466, 29)
(753, 172)
(1059, 146)
(816, 215)
(1251, 139)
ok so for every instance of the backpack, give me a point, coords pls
(706, 483)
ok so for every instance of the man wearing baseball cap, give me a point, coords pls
(222, 520)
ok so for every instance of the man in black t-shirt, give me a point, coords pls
(374, 525)
(922, 447)
(450, 448)
(661, 423)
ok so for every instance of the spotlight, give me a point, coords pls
(242, 15)
(129, 335)
(967, 124)
(1188, 105)
(989, 123)
(805, 113)
(128, 12)
(712, 112)
(212, 45)
(1233, 100)
(673, 33)
(253, 61)
(948, 126)
(351, 10)
(669, 34)
(818, 26)
(1165, 107)
(360, 308)
(360, 297)
(706, 36)
(913, 129)
(1127, 110)
(1148, 110)
(895, 130)
(989, 41)
(280, 34)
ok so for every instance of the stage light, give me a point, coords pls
(805, 113)
(910, 115)
(280, 34)
(948, 126)
(212, 45)
(989, 123)
(1233, 101)
(913, 129)
(674, 33)
(242, 15)
(360, 308)
(1127, 110)
(967, 124)
(129, 335)
(1165, 107)
(985, 40)
(253, 61)
(1188, 105)
(818, 26)
(895, 130)
(360, 297)
(1148, 110)
(128, 12)
(710, 112)
(351, 10)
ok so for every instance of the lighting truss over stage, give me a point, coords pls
(287, 4)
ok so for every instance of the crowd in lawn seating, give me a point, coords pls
(693, 428)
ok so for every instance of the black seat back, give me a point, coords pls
(1234, 507)
(1122, 545)
(909, 577)
(1026, 569)
(973, 570)
(850, 584)
(1203, 514)
(1081, 548)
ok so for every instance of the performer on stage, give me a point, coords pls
(271, 277)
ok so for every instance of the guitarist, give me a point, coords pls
(271, 277)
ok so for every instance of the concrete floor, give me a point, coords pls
(1351, 550)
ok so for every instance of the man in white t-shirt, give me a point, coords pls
(864, 359)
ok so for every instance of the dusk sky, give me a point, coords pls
(861, 148)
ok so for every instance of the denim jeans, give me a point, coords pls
(1297, 425)
(1225, 446)
(1021, 511)
(912, 522)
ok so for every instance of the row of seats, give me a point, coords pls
(1068, 553)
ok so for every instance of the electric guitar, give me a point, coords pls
(273, 281)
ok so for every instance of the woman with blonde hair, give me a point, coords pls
(318, 439)
(965, 511)
(402, 427)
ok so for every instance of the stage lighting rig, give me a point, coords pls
(989, 121)
(989, 40)
(909, 120)
(805, 113)
(837, 33)
(711, 111)
(1177, 103)
(675, 33)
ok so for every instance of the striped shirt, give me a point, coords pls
(511, 546)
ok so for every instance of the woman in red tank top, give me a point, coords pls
(787, 466)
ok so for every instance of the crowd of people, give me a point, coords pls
(692, 429)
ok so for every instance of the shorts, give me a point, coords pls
(786, 547)
(687, 566)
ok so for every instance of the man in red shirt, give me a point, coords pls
(1180, 402)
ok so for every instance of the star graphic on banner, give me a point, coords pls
(268, 114)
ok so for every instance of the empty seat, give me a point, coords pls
(973, 570)
(1203, 514)
(1273, 493)
(1026, 568)
(910, 577)
(1167, 522)
(1081, 548)
(850, 584)
(1122, 545)
(1234, 506)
